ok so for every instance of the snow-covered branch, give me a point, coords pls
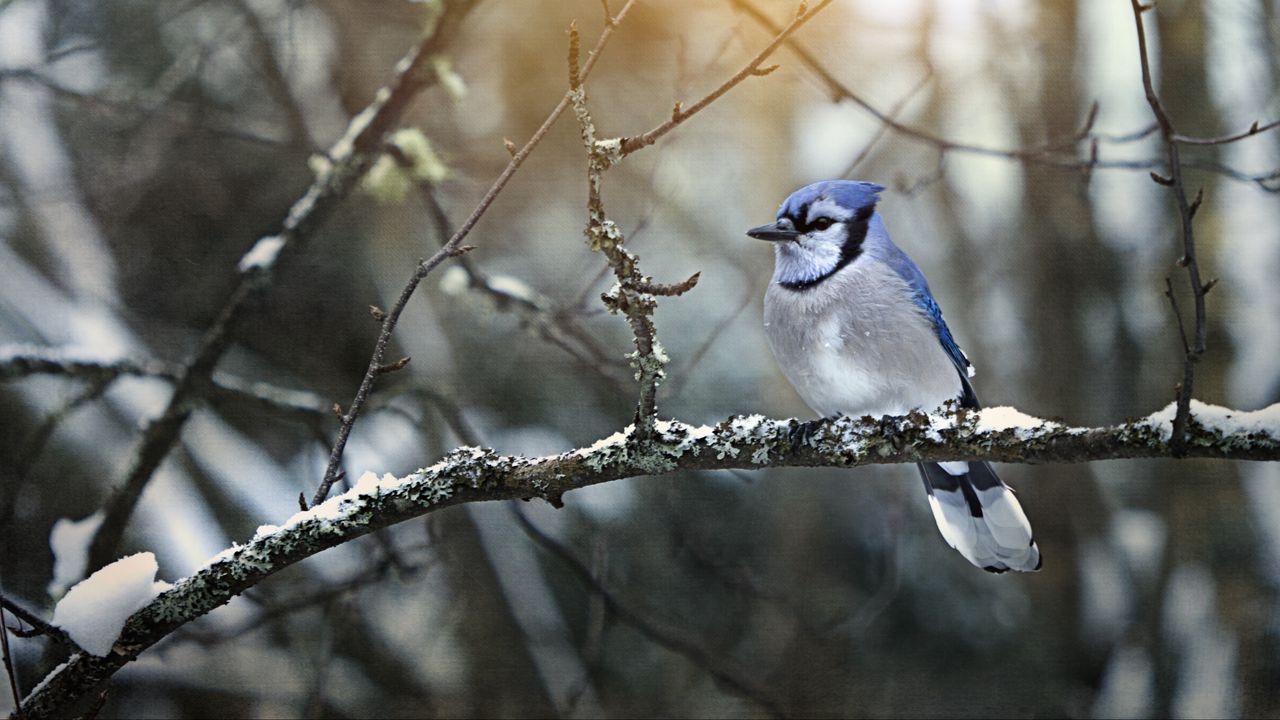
(752, 442)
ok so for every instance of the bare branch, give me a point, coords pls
(633, 295)
(1186, 210)
(39, 626)
(20, 361)
(558, 326)
(884, 127)
(752, 69)
(277, 84)
(1254, 129)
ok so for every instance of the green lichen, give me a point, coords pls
(603, 235)
(450, 80)
(391, 178)
(607, 153)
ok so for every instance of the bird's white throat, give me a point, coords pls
(804, 261)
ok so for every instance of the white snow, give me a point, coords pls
(1224, 420)
(69, 540)
(511, 287)
(700, 432)
(999, 419)
(222, 555)
(618, 438)
(369, 482)
(454, 280)
(335, 508)
(94, 611)
(47, 678)
(746, 426)
(262, 254)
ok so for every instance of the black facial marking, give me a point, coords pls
(852, 248)
(799, 218)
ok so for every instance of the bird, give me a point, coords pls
(855, 329)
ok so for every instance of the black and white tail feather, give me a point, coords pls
(977, 513)
(979, 516)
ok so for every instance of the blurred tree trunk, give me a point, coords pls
(500, 671)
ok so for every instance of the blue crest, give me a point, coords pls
(852, 194)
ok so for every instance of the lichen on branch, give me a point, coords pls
(741, 442)
(635, 294)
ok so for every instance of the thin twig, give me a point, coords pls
(677, 641)
(632, 296)
(39, 626)
(884, 127)
(1254, 129)
(558, 326)
(174, 111)
(1186, 210)
(840, 91)
(680, 114)
(8, 668)
(426, 266)
(333, 470)
(38, 360)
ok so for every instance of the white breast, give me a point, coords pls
(856, 344)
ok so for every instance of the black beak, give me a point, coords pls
(775, 232)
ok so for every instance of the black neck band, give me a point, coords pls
(849, 252)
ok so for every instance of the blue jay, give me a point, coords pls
(853, 326)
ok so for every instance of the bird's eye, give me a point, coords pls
(822, 223)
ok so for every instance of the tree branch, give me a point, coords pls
(347, 161)
(679, 113)
(1056, 152)
(18, 361)
(1186, 211)
(38, 625)
(449, 249)
(750, 443)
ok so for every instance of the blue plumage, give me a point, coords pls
(910, 272)
(856, 330)
(851, 194)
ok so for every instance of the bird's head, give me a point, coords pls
(819, 229)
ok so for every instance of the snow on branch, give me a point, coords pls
(752, 442)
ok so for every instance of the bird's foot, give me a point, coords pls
(802, 433)
(891, 430)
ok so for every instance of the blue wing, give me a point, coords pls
(909, 272)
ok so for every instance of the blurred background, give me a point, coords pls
(144, 146)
